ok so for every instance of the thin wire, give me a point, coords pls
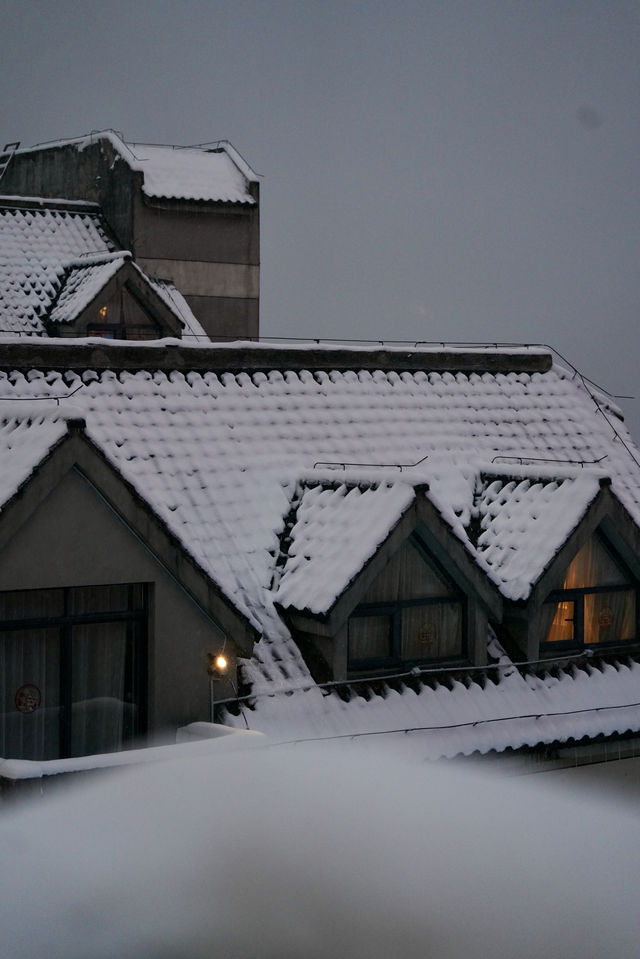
(414, 673)
(472, 723)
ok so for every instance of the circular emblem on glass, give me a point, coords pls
(27, 698)
(606, 617)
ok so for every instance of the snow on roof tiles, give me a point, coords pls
(36, 246)
(523, 522)
(219, 458)
(188, 173)
(509, 710)
(81, 285)
(218, 455)
(337, 526)
(27, 433)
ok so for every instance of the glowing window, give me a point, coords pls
(597, 603)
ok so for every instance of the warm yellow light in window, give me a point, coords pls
(102, 311)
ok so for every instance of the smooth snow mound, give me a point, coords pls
(286, 852)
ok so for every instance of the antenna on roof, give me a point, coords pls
(5, 157)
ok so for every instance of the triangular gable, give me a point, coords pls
(340, 537)
(33, 467)
(90, 283)
(84, 281)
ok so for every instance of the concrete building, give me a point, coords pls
(189, 216)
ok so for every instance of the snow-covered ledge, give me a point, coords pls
(195, 739)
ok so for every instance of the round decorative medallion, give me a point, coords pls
(605, 617)
(27, 698)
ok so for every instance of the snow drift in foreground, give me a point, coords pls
(322, 852)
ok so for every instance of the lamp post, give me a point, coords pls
(217, 668)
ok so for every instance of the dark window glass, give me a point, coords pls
(370, 637)
(31, 604)
(431, 632)
(411, 613)
(72, 666)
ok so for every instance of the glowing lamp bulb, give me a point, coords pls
(221, 663)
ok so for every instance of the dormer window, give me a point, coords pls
(597, 603)
(123, 317)
(411, 614)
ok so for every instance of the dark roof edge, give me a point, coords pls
(251, 357)
(10, 201)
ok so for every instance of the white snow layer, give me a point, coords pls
(189, 174)
(219, 458)
(288, 852)
(36, 247)
(27, 434)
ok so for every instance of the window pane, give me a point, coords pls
(105, 599)
(31, 604)
(562, 627)
(369, 637)
(594, 566)
(432, 632)
(30, 694)
(102, 719)
(407, 576)
(609, 617)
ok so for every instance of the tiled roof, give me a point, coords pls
(55, 258)
(28, 432)
(501, 710)
(335, 527)
(36, 245)
(82, 284)
(189, 174)
(525, 521)
(220, 456)
(514, 524)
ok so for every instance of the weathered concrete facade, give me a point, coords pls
(209, 249)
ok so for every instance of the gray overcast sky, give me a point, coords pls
(432, 170)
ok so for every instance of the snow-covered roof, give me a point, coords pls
(37, 244)
(336, 526)
(232, 461)
(213, 172)
(55, 258)
(462, 715)
(28, 433)
(82, 283)
(171, 295)
(513, 523)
